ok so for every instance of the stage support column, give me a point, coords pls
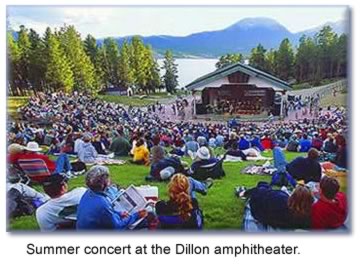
(194, 103)
(282, 105)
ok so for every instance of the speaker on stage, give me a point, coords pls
(200, 109)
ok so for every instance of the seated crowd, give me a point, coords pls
(65, 134)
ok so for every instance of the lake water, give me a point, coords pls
(191, 69)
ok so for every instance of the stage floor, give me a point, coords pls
(226, 117)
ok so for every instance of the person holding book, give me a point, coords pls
(95, 210)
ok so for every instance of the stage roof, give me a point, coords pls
(227, 70)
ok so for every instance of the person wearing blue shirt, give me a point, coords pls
(95, 210)
(305, 144)
(191, 145)
(255, 142)
(219, 140)
(243, 143)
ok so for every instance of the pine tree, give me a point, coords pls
(111, 61)
(96, 55)
(58, 74)
(91, 47)
(24, 61)
(38, 61)
(125, 73)
(81, 65)
(341, 55)
(325, 40)
(170, 76)
(153, 71)
(139, 64)
(13, 56)
(270, 62)
(285, 60)
(257, 57)
(228, 59)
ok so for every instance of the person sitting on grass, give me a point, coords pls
(244, 143)
(191, 146)
(181, 211)
(87, 152)
(203, 158)
(99, 145)
(31, 151)
(51, 215)
(317, 142)
(306, 168)
(95, 209)
(141, 153)
(267, 142)
(305, 143)
(234, 151)
(293, 144)
(120, 145)
(232, 139)
(21, 198)
(330, 211)
(329, 145)
(255, 142)
(162, 167)
(276, 208)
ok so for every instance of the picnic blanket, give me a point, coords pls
(258, 170)
(265, 170)
(107, 161)
(230, 158)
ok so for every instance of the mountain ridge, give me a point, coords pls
(241, 36)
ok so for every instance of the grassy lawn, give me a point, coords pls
(13, 103)
(306, 85)
(222, 210)
(329, 100)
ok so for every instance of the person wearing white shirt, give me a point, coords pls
(51, 215)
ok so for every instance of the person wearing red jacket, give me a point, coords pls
(61, 165)
(330, 211)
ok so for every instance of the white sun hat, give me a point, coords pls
(203, 153)
(33, 147)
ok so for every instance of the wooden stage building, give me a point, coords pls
(238, 90)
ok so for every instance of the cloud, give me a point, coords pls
(179, 21)
(85, 19)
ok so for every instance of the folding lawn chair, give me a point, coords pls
(36, 169)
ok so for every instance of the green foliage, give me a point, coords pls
(110, 63)
(125, 72)
(285, 60)
(170, 77)
(92, 67)
(271, 61)
(257, 57)
(38, 60)
(316, 58)
(132, 64)
(81, 65)
(59, 75)
(228, 59)
(13, 56)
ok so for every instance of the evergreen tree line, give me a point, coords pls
(61, 60)
(320, 57)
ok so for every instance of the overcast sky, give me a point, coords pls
(177, 21)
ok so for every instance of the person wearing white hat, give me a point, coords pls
(203, 157)
(31, 151)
